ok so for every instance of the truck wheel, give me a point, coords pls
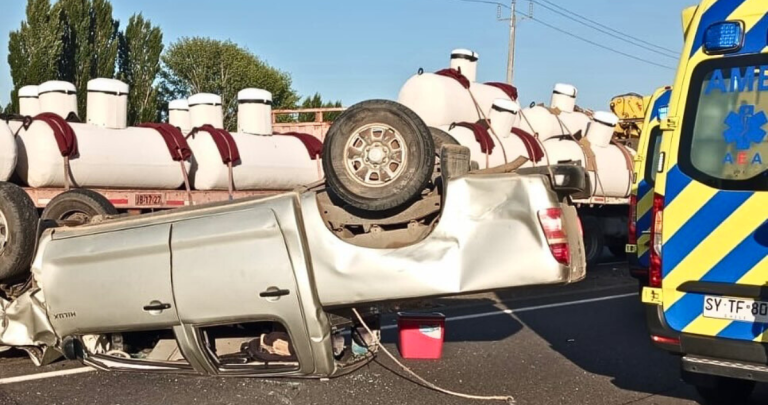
(440, 138)
(726, 391)
(78, 206)
(594, 241)
(18, 230)
(379, 155)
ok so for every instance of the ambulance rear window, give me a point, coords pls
(724, 142)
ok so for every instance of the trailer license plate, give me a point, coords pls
(737, 309)
(145, 200)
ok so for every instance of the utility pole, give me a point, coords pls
(511, 56)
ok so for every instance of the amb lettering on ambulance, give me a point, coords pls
(708, 267)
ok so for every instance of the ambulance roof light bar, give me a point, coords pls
(724, 37)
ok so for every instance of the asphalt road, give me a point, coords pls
(580, 344)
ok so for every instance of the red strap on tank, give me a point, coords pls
(481, 135)
(535, 152)
(174, 140)
(455, 75)
(62, 132)
(508, 89)
(314, 146)
(224, 143)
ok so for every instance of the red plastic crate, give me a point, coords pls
(421, 336)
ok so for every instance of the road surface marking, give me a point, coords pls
(527, 309)
(22, 378)
(79, 370)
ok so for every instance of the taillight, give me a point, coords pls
(654, 271)
(554, 229)
(632, 220)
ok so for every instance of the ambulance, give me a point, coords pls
(707, 298)
(644, 178)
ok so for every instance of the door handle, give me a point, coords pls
(155, 306)
(273, 292)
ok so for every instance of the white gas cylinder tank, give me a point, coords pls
(441, 100)
(178, 115)
(107, 157)
(540, 120)
(58, 97)
(29, 103)
(205, 108)
(107, 105)
(8, 152)
(254, 111)
(613, 174)
(267, 162)
(503, 116)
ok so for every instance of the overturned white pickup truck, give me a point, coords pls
(265, 286)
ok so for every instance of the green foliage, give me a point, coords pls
(34, 48)
(89, 38)
(139, 64)
(316, 101)
(195, 65)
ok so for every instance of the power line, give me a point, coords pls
(486, 2)
(597, 44)
(608, 30)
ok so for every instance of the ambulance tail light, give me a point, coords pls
(654, 271)
(632, 220)
(554, 229)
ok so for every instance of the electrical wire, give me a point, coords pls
(618, 34)
(597, 44)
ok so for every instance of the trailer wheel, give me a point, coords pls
(78, 206)
(379, 155)
(18, 230)
(594, 241)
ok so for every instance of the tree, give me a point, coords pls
(33, 49)
(89, 38)
(316, 101)
(139, 64)
(195, 65)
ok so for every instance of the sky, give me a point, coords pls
(353, 50)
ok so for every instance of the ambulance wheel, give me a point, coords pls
(594, 241)
(18, 230)
(378, 155)
(78, 207)
(725, 391)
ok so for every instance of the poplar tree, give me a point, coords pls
(138, 65)
(34, 49)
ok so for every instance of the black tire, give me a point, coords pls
(411, 177)
(78, 207)
(594, 241)
(440, 138)
(18, 228)
(726, 391)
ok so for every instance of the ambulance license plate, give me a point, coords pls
(737, 309)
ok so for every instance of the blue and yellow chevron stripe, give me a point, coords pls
(710, 235)
(643, 189)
